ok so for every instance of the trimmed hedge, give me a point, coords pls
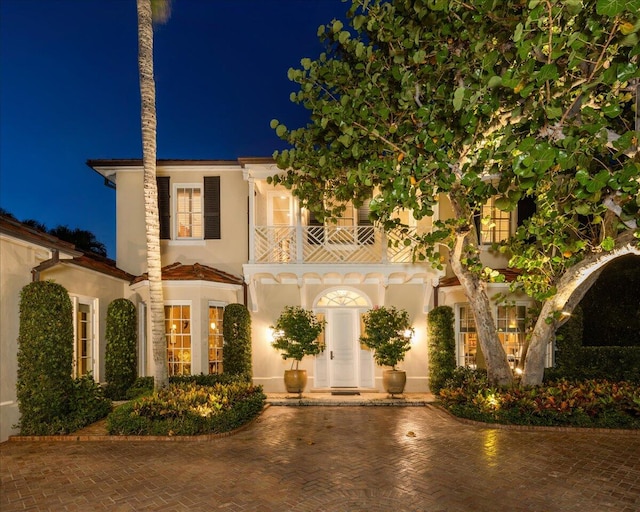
(49, 399)
(121, 358)
(442, 346)
(45, 358)
(236, 331)
(611, 363)
(187, 409)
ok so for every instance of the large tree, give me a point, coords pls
(149, 154)
(420, 100)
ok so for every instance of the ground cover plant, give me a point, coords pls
(588, 403)
(187, 409)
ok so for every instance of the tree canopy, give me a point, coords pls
(417, 100)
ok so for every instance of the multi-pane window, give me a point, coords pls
(216, 340)
(511, 330)
(178, 333)
(495, 224)
(189, 212)
(510, 322)
(83, 356)
(468, 338)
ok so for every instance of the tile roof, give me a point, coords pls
(100, 264)
(509, 273)
(17, 229)
(196, 272)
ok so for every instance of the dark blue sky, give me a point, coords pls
(69, 92)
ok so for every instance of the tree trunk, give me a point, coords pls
(152, 223)
(498, 370)
(571, 287)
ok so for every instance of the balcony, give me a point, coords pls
(328, 244)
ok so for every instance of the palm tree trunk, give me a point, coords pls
(152, 223)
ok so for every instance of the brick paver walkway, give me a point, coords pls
(333, 459)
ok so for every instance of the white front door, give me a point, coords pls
(342, 345)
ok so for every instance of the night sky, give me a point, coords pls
(69, 92)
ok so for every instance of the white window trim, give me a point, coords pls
(93, 303)
(175, 239)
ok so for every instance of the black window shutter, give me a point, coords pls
(316, 230)
(212, 208)
(526, 208)
(164, 207)
(366, 235)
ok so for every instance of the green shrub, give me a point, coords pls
(189, 409)
(569, 342)
(442, 346)
(385, 332)
(141, 386)
(591, 403)
(207, 379)
(121, 350)
(45, 359)
(236, 331)
(89, 403)
(611, 363)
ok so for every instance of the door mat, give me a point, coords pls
(345, 393)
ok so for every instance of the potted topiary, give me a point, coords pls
(296, 335)
(388, 333)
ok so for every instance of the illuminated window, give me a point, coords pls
(338, 298)
(468, 338)
(511, 330)
(178, 333)
(189, 212)
(495, 224)
(84, 342)
(216, 340)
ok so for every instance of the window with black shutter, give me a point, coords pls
(164, 207)
(212, 208)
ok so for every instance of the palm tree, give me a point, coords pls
(84, 240)
(152, 223)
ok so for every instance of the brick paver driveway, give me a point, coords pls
(333, 459)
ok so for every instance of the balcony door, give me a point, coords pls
(281, 221)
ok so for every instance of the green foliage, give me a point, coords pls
(590, 403)
(442, 346)
(121, 350)
(45, 352)
(612, 306)
(50, 401)
(569, 342)
(210, 379)
(141, 386)
(613, 363)
(417, 100)
(237, 341)
(388, 333)
(296, 333)
(184, 409)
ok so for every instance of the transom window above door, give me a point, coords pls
(342, 298)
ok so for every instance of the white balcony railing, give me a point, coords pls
(328, 244)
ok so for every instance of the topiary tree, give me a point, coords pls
(121, 352)
(442, 346)
(296, 334)
(45, 358)
(236, 330)
(388, 333)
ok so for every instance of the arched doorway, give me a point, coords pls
(344, 363)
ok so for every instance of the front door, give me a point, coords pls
(342, 345)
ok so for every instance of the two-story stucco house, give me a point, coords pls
(228, 236)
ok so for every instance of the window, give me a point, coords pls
(189, 212)
(510, 322)
(216, 340)
(195, 212)
(352, 227)
(178, 333)
(468, 339)
(511, 329)
(84, 342)
(493, 225)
